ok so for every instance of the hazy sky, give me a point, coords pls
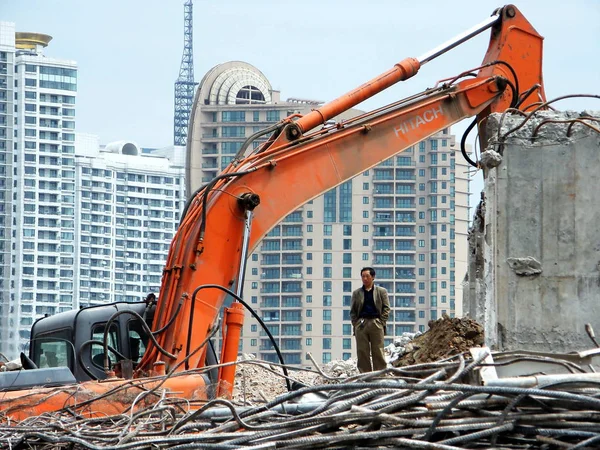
(129, 51)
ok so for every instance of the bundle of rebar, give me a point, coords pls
(426, 406)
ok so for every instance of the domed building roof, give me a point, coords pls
(235, 83)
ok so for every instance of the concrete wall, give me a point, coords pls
(534, 248)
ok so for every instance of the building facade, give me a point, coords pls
(404, 217)
(80, 224)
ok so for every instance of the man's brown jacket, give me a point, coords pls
(382, 303)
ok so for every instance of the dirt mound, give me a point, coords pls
(445, 337)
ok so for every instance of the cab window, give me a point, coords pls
(53, 349)
(138, 340)
(97, 350)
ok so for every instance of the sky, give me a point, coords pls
(129, 51)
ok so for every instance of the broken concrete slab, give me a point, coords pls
(538, 205)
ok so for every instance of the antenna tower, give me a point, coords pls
(185, 84)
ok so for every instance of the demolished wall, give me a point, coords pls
(533, 276)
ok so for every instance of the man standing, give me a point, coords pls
(369, 313)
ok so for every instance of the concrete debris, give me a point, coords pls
(489, 159)
(257, 381)
(400, 346)
(527, 267)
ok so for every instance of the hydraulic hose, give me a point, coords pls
(249, 308)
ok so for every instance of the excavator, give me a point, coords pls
(115, 358)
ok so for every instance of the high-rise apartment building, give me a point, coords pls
(39, 94)
(7, 67)
(80, 224)
(407, 218)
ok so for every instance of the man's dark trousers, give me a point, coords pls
(369, 343)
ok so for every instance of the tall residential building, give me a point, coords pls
(406, 217)
(40, 108)
(80, 223)
(7, 100)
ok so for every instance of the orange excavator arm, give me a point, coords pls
(226, 219)
(298, 165)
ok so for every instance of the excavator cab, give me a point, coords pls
(75, 339)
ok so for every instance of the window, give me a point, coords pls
(327, 244)
(273, 116)
(233, 116)
(97, 351)
(326, 314)
(327, 230)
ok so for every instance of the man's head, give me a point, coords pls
(367, 274)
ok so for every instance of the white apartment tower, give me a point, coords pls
(80, 224)
(40, 108)
(407, 218)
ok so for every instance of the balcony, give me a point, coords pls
(406, 205)
(405, 261)
(379, 204)
(410, 192)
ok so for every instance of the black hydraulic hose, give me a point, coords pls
(80, 355)
(144, 326)
(256, 135)
(171, 320)
(513, 103)
(249, 308)
(209, 187)
(463, 141)
(516, 91)
(189, 202)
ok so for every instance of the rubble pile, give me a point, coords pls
(445, 337)
(396, 349)
(258, 382)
